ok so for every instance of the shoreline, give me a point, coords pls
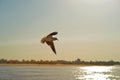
(51, 65)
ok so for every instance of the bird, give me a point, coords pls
(49, 40)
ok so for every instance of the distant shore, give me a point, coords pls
(77, 62)
(40, 65)
(50, 65)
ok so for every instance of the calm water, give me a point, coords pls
(59, 73)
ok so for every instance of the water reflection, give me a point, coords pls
(59, 73)
(93, 73)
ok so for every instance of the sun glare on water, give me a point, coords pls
(93, 73)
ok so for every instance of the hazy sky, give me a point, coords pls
(88, 29)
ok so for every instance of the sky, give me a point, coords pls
(87, 29)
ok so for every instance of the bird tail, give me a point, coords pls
(43, 40)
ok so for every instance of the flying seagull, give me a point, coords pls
(49, 40)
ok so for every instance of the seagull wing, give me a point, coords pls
(51, 34)
(51, 44)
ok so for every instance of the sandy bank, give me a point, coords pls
(42, 65)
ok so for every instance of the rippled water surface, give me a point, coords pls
(59, 72)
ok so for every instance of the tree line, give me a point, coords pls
(77, 61)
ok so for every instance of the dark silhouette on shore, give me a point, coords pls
(75, 62)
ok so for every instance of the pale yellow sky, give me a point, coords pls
(87, 29)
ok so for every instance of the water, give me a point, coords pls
(59, 72)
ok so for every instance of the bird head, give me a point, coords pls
(55, 38)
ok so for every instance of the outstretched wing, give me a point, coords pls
(51, 44)
(53, 33)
